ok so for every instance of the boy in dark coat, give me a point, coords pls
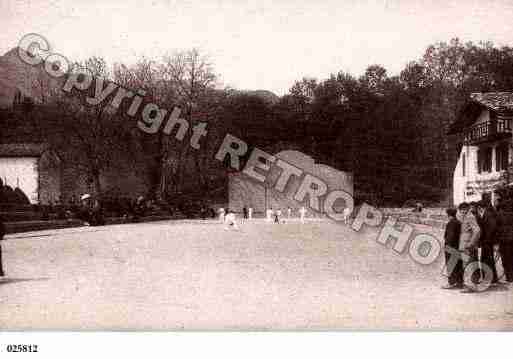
(488, 223)
(2, 233)
(452, 239)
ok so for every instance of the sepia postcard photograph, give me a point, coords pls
(284, 165)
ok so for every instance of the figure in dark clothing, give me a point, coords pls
(245, 212)
(139, 209)
(85, 213)
(452, 239)
(505, 234)
(2, 234)
(97, 215)
(487, 220)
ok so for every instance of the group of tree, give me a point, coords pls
(390, 131)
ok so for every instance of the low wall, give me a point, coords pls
(30, 226)
(434, 217)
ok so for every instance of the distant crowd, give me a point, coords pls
(275, 215)
(480, 232)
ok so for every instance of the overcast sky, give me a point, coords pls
(265, 44)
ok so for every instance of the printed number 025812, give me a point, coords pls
(22, 348)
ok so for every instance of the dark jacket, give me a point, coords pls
(504, 226)
(2, 228)
(489, 225)
(452, 233)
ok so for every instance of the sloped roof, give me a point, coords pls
(497, 101)
(22, 149)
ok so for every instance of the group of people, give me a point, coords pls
(228, 215)
(228, 218)
(271, 214)
(474, 231)
(90, 211)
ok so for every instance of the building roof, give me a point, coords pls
(499, 102)
(496, 101)
(22, 149)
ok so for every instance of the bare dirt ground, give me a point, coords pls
(196, 275)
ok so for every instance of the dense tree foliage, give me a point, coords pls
(390, 131)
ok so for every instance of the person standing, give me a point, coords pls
(488, 223)
(2, 234)
(269, 214)
(245, 212)
(97, 214)
(452, 239)
(505, 235)
(221, 215)
(229, 220)
(85, 211)
(277, 216)
(250, 212)
(289, 213)
(345, 214)
(302, 214)
(469, 237)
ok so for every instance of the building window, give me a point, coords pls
(501, 157)
(484, 160)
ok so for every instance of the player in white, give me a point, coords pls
(269, 214)
(229, 220)
(302, 213)
(289, 213)
(250, 212)
(221, 215)
(345, 214)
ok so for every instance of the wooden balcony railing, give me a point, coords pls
(488, 131)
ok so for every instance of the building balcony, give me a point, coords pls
(488, 131)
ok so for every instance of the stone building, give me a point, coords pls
(26, 162)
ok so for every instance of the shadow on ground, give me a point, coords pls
(4, 281)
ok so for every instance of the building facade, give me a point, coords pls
(483, 132)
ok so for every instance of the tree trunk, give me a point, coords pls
(160, 169)
(96, 182)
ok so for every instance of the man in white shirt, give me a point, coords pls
(269, 214)
(302, 213)
(229, 220)
(345, 214)
(221, 215)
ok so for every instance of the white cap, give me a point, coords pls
(85, 196)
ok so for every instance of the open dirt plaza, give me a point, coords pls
(196, 275)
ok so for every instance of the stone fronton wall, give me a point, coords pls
(245, 191)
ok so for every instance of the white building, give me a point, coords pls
(484, 135)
